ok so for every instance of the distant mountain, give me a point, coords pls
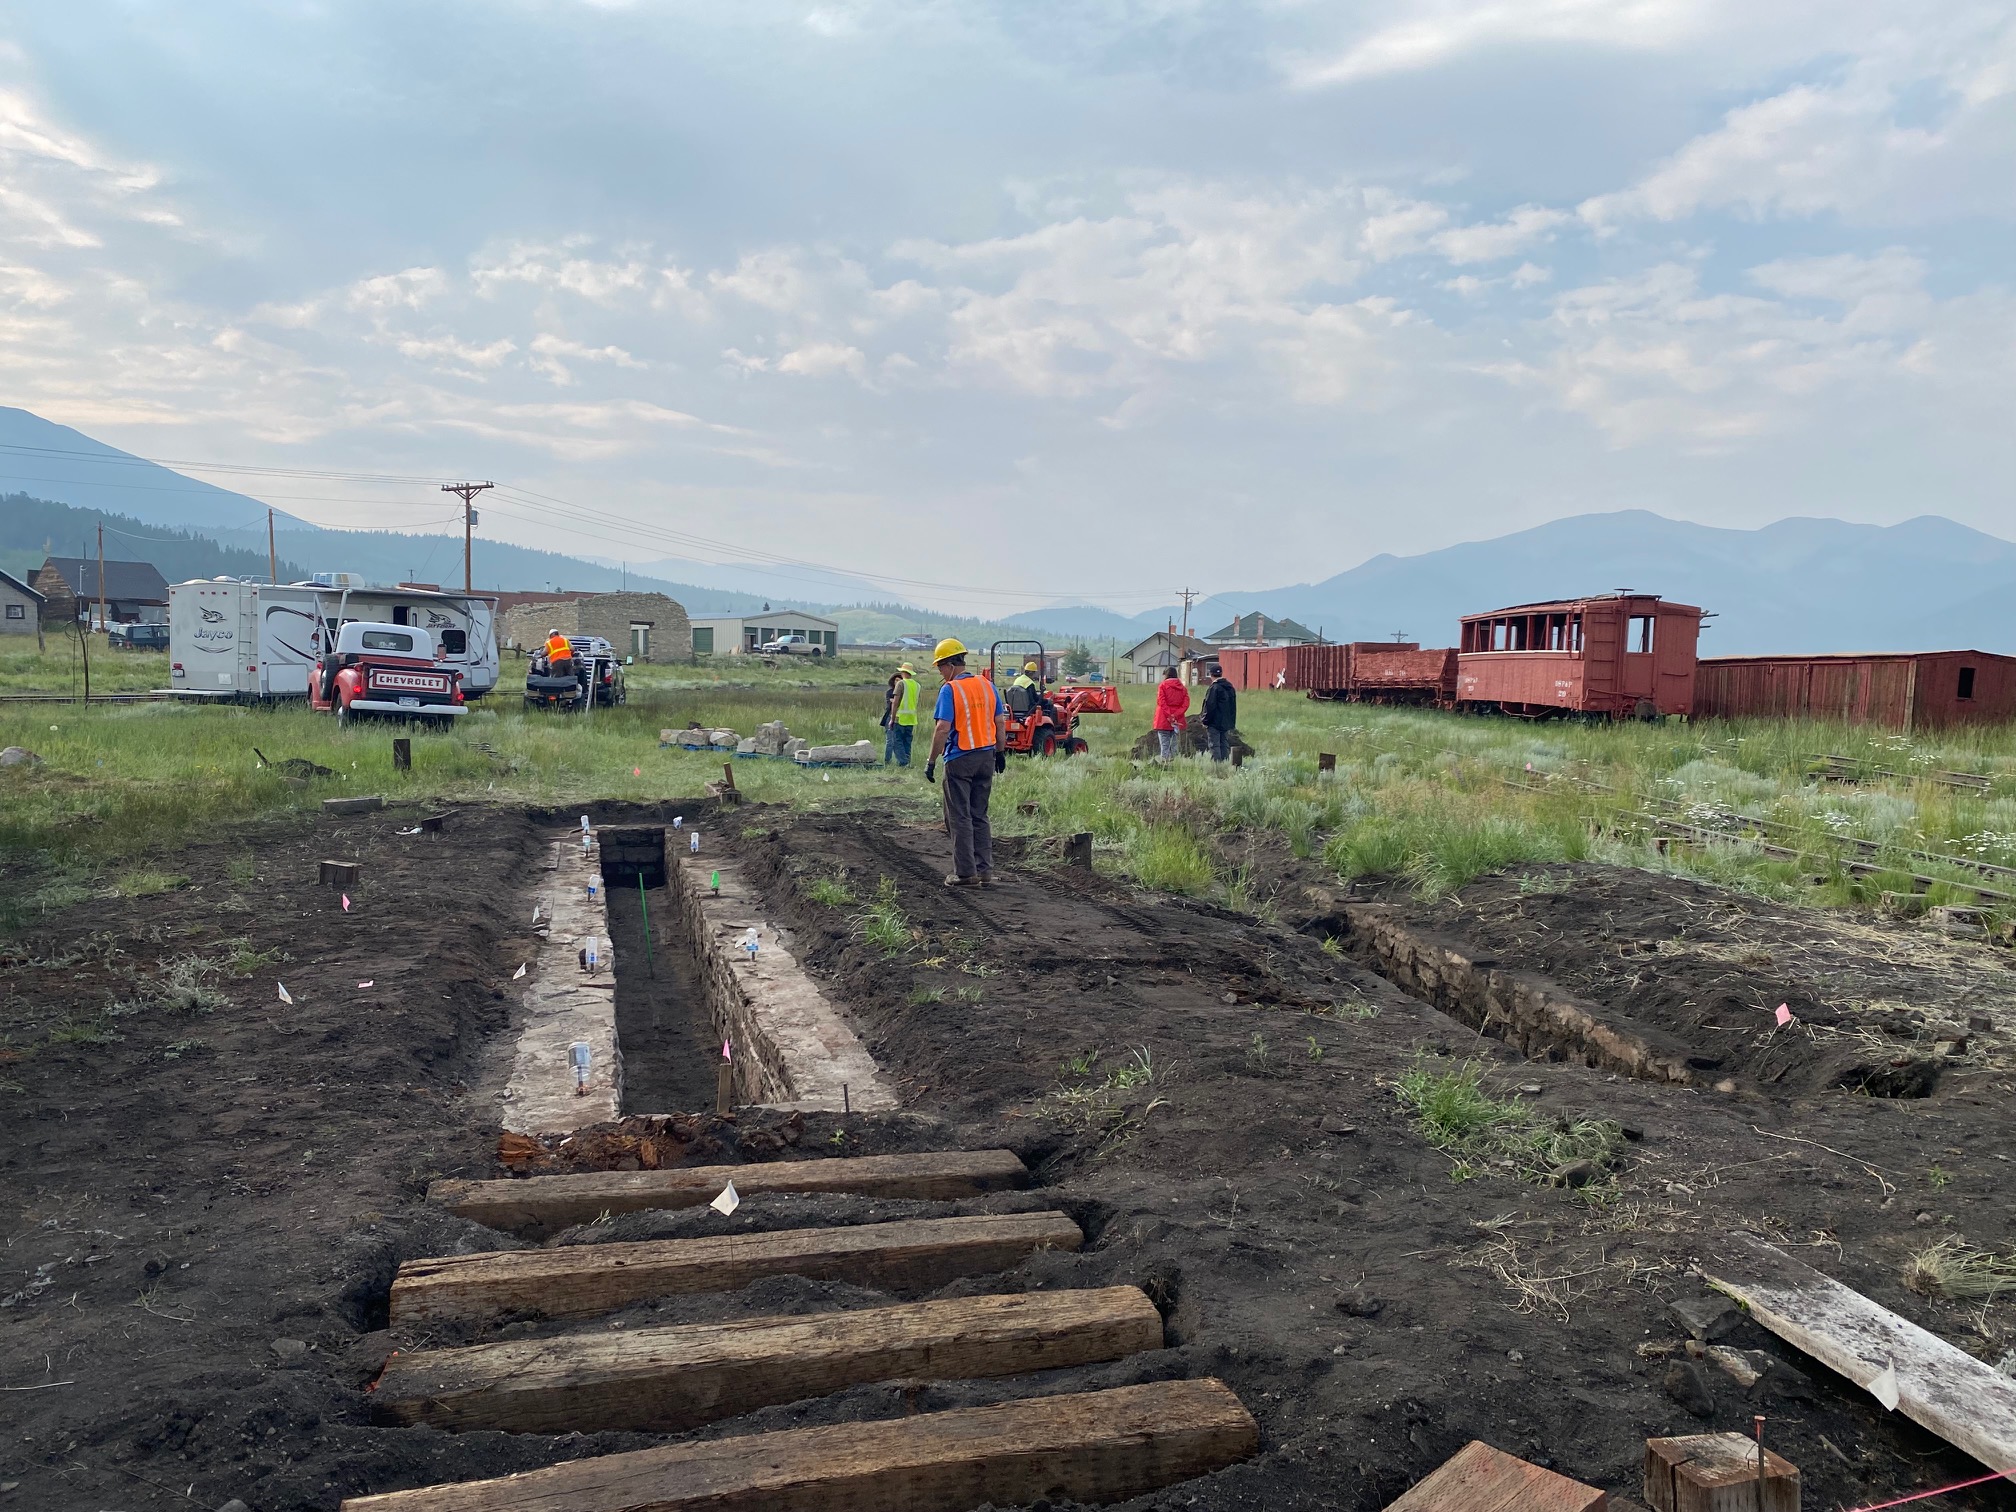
(1088, 622)
(51, 461)
(33, 530)
(1800, 585)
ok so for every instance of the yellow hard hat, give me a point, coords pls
(946, 648)
(906, 669)
(1029, 666)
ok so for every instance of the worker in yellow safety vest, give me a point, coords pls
(902, 720)
(970, 727)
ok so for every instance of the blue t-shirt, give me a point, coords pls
(944, 711)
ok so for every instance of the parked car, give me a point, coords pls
(137, 637)
(792, 645)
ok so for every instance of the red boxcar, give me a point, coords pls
(1374, 672)
(1924, 690)
(1620, 655)
(1251, 666)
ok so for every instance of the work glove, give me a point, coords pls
(1000, 761)
(930, 771)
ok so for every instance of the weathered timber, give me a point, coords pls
(659, 1380)
(540, 1205)
(579, 1280)
(1716, 1472)
(338, 873)
(402, 754)
(352, 805)
(1970, 1405)
(1093, 1447)
(1478, 1478)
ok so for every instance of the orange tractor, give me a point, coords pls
(1043, 720)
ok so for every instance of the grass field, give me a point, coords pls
(1433, 797)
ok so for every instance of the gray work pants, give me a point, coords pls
(969, 783)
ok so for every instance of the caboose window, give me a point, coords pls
(1966, 682)
(1641, 631)
(1574, 632)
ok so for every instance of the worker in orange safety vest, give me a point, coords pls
(970, 731)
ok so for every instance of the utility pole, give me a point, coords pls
(272, 552)
(1189, 595)
(467, 492)
(101, 576)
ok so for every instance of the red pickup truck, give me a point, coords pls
(385, 669)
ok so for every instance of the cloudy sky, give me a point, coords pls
(1092, 298)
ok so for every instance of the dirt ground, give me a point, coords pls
(200, 1235)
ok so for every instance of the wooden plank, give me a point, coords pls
(1478, 1478)
(1094, 1447)
(1716, 1472)
(546, 1204)
(1939, 1387)
(660, 1380)
(579, 1280)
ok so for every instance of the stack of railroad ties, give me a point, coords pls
(1086, 1446)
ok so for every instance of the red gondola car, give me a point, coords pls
(1619, 656)
(1392, 672)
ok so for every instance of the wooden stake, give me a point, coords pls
(402, 754)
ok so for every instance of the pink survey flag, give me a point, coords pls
(725, 1054)
(346, 902)
(1784, 1015)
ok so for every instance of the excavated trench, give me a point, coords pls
(663, 1023)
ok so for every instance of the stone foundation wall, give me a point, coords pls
(792, 1047)
(1535, 1016)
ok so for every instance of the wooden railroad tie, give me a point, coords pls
(1716, 1472)
(542, 1205)
(1478, 1478)
(662, 1380)
(1097, 1446)
(580, 1280)
(352, 805)
(339, 873)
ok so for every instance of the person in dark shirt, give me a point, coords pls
(1221, 713)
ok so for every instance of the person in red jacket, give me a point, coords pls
(1172, 711)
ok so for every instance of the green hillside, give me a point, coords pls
(32, 530)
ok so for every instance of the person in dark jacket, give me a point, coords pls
(1221, 713)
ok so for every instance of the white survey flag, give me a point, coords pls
(285, 995)
(727, 1202)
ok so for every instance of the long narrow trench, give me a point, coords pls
(669, 1047)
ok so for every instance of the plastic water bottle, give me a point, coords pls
(592, 884)
(579, 1055)
(751, 942)
(678, 821)
(584, 824)
(694, 846)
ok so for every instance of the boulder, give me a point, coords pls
(19, 756)
(724, 740)
(746, 746)
(861, 753)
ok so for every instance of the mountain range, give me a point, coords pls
(1797, 585)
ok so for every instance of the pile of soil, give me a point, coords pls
(201, 1238)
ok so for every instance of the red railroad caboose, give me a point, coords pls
(1393, 672)
(1621, 655)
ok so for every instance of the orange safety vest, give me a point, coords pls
(559, 648)
(973, 700)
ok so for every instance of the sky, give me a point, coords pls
(1016, 302)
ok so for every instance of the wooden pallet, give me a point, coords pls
(1096, 1447)
(540, 1205)
(665, 1379)
(577, 1281)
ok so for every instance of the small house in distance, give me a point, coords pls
(20, 607)
(1257, 629)
(737, 634)
(1150, 658)
(1902, 690)
(647, 626)
(135, 592)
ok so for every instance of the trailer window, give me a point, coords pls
(1966, 682)
(1641, 632)
(455, 642)
(386, 640)
(399, 613)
